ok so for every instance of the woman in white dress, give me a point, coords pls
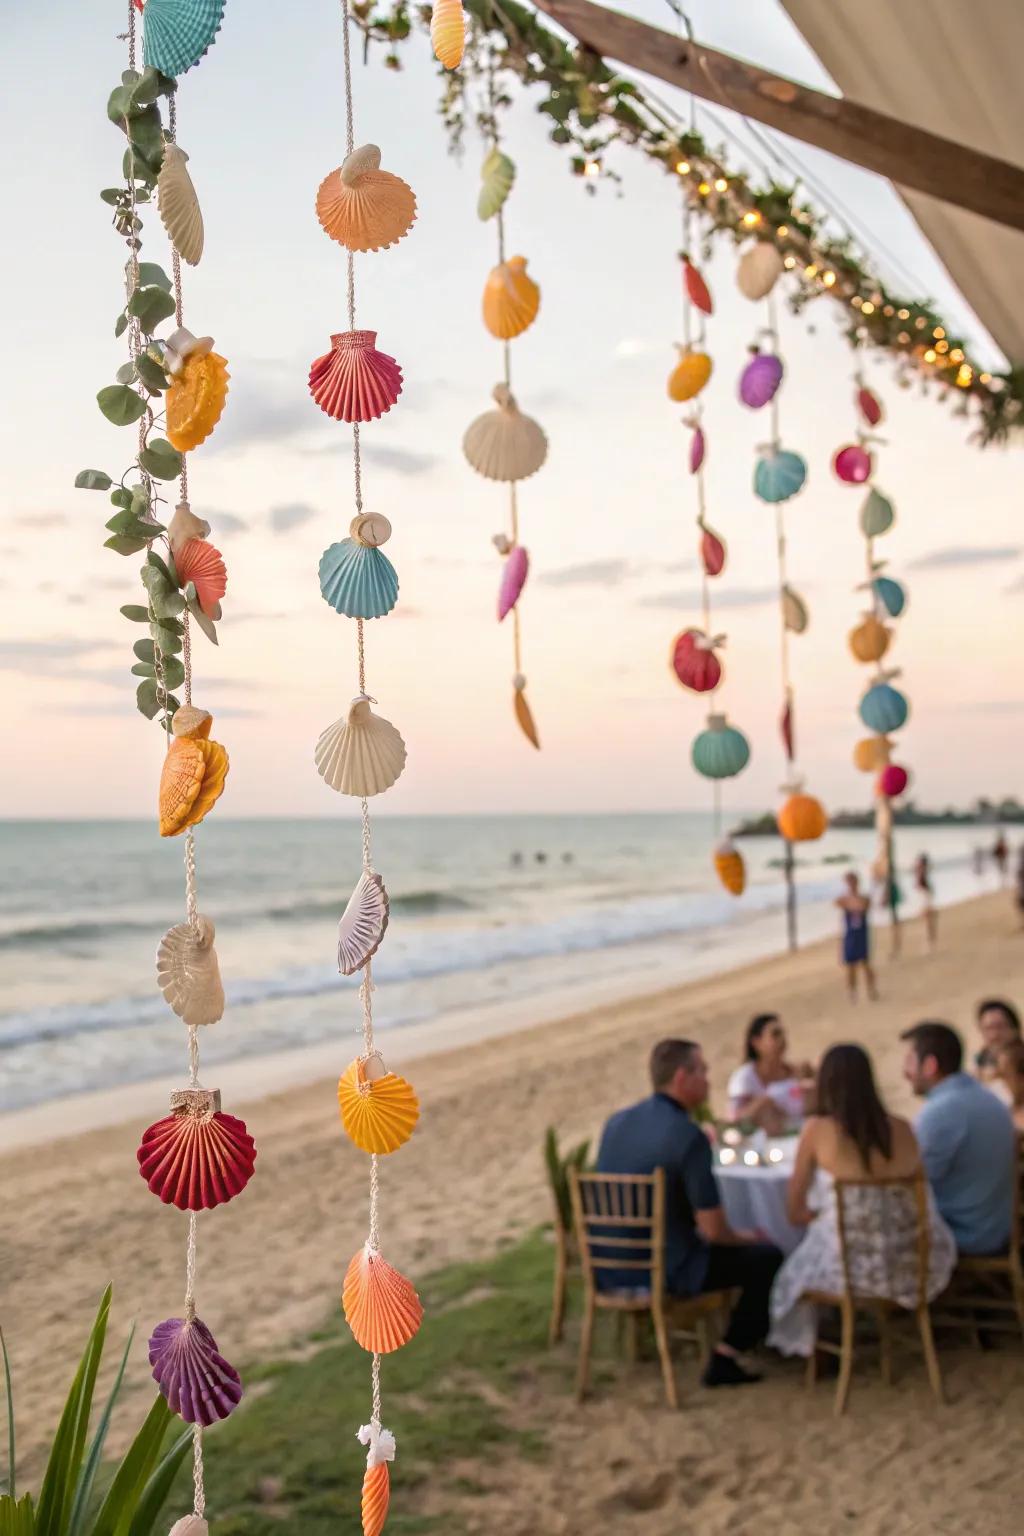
(767, 1089)
(853, 1137)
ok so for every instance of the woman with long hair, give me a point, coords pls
(852, 1137)
(766, 1088)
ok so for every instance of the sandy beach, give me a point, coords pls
(76, 1214)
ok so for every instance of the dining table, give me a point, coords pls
(753, 1177)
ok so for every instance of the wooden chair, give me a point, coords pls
(883, 1236)
(620, 1224)
(988, 1293)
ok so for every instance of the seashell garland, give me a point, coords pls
(379, 1112)
(448, 32)
(696, 288)
(203, 565)
(381, 1307)
(195, 400)
(355, 382)
(188, 975)
(193, 1376)
(498, 173)
(511, 299)
(504, 444)
(178, 205)
(361, 755)
(363, 207)
(196, 1157)
(358, 580)
(177, 33)
(363, 923)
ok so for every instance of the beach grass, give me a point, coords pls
(289, 1458)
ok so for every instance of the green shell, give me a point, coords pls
(498, 173)
(876, 515)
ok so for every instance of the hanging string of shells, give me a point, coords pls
(883, 708)
(779, 475)
(504, 444)
(719, 751)
(365, 209)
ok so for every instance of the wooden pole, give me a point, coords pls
(910, 156)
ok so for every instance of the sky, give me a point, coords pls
(608, 522)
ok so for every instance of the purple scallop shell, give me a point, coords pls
(852, 464)
(513, 579)
(197, 1382)
(698, 448)
(760, 379)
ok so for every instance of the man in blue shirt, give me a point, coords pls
(702, 1252)
(968, 1143)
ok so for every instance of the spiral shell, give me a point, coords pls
(381, 1306)
(203, 565)
(355, 382)
(197, 1157)
(363, 207)
(188, 974)
(375, 1498)
(379, 1112)
(361, 755)
(511, 299)
(448, 32)
(178, 205)
(363, 923)
(193, 1376)
(504, 444)
(195, 400)
(191, 782)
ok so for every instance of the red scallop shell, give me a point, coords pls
(892, 781)
(696, 666)
(196, 1162)
(355, 382)
(852, 464)
(869, 406)
(697, 289)
(200, 563)
(712, 553)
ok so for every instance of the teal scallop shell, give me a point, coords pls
(884, 709)
(358, 580)
(890, 594)
(778, 476)
(720, 752)
(176, 33)
(876, 515)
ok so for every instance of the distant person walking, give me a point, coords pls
(923, 886)
(1001, 855)
(856, 940)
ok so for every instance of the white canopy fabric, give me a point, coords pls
(954, 68)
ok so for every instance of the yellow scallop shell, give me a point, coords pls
(448, 32)
(689, 376)
(379, 1114)
(511, 299)
(872, 753)
(195, 400)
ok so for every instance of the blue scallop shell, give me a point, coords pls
(720, 752)
(176, 33)
(884, 709)
(358, 580)
(778, 476)
(890, 594)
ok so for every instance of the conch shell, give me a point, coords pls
(188, 975)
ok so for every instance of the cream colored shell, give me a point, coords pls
(365, 158)
(184, 525)
(190, 1525)
(794, 611)
(178, 205)
(188, 975)
(361, 755)
(370, 528)
(189, 718)
(504, 444)
(759, 270)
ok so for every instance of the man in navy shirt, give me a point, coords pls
(702, 1252)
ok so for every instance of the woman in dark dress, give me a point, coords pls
(856, 947)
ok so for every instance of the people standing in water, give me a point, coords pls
(923, 885)
(856, 945)
(1001, 854)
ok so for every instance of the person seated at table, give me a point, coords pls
(852, 1136)
(767, 1090)
(702, 1252)
(998, 1025)
(1010, 1066)
(967, 1140)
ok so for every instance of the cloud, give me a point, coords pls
(227, 522)
(42, 520)
(589, 573)
(402, 461)
(990, 706)
(637, 346)
(292, 515)
(966, 554)
(45, 655)
(733, 597)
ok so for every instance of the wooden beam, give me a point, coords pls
(910, 156)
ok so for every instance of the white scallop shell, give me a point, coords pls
(504, 444)
(362, 754)
(188, 975)
(759, 270)
(363, 923)
(178, 205)
(365, 158)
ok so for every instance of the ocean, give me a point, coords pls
(484, 911)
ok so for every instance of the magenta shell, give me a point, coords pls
(196, 1163)
(513, 579)
(698, 448)
(712, 553)
(852, 464)
(695, 666)
(760, 379)
(892, 780)
(197, 1382)
(869, 406)
(355, 382)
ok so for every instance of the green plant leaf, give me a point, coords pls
(154, 1495)
(143, 669)
(93, 480)
(124, 544)
(166, 567)
(152, 374)
(112, 195)
(140, 501)
(126, 373)
(146, 137)
(119, 104)
(11, 1485)
(147, 701)
(121, 324)
(174, 672)
(122, 497)
(83, 1493)
(142, 1455)
(150, 306)
(144, 650)
(136, 613)
(17, 1519)
(148, 88)
(62, 1469)
(120, 404)
(153, 276)
(205, 623)
(167, 640)
(161, 460)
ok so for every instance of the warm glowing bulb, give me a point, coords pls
(790, 262)
(930, 355)
(828, 278)
(965, 375)
(856, 301)
(903, 314)
(938, 333)
(727, 1156)
(592, 168)
(867, 307)
(986, 378)
(704, 189)
(751, 1159)
(888, 311)
(721, 185)
(776, 1155)
(810, 270)
(942, 346)
(903, 337)
(751, 218)
(783, 231)
(920, 322)
(956, 356)
(683, 167)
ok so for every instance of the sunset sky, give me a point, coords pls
(608, 522)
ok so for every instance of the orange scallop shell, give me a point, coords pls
(524, 718)
(195, 400)
(370, 215)
(191, 781)
(511, 299)
(381, 1307)
(448, 32)
(199, 562)
(378, 1114)
(376, 1498)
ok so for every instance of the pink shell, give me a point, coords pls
(696, 666)
(197, 1382)
(697, 289)
(786, 731)
(199, 562)
(698, 448)
(513, 579)
(712, 553)
(196, 1161)
(355, 382)
(892, 781)
(869, 406)
(760, 379)
(853, 464)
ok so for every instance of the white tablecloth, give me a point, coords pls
(756, 1197)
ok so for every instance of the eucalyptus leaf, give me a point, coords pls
(166, 567)
(161, 460)
(144, 669)
(140, 500)
(143, 649)
(146, 698)
(93, 480)
(119, 104)
(121, 497)
(112, 195)
(126, 373)
(121, 324)
(204, 621)
(152, 374)
(150, 306)
(130, 77)
(155, 579)
(174, 672)
(146, 136)
(165, 639)
(136, 613)
(148, 88)
(120, 404)
(123, 544)
(153, 276)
